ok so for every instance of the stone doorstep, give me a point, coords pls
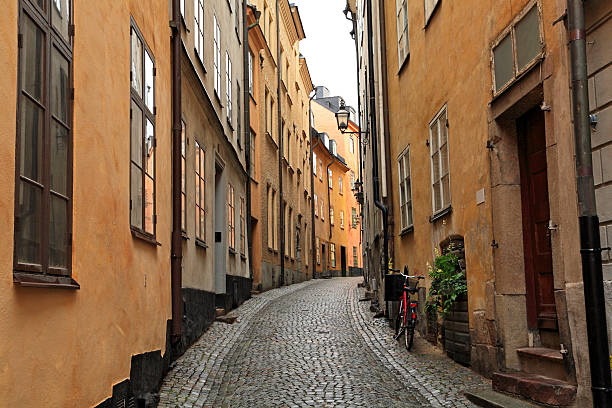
(219, 312)
(535, 387)
(488, 398)
(228, 318)
(542, 361)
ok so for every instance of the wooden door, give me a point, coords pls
(541, 311)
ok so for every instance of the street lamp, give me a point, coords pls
(342, 117)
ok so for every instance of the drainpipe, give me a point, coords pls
(279, 67)
(355, 35)
(590, 245)
(374, 139)
(177, 244)
(247, 130)
(312, 216)
(329, 207)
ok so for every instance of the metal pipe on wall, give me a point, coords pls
(590, 245)
(279, 67)
(177, 244)
(312, 216)
(247, 130)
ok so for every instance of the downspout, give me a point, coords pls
(590, 245)
(177, 244)
(247, 129)
(279, 67)
(353, 19)
(329, 207)
(312, 216)
(374, 139)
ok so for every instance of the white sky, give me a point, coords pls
(328, 47)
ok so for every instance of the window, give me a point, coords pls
(228, 86)
(340, 187)
(253, 155)
(332, 254)
(242, 227)
(142, 134)
(237, 18)
(355, 257)
(351, 145)
(405, 188)
(320, 170)
(275, 220)
(198, 25)
(238, 117)
(330, 178)
(43, 205)
(402, 30)
(183, 177)
(331, 215)
(430, 7)
(251, 73)
(341, 219)
(352, 180)
(231, 214)
(272, 120)
(318, 244)
(353, 217)
(183, 9)
(270, 218)
(200, 193)
(316, 206)
(322, 211)
(518, 48)
(438, 132)
(307, 254)
(314, 163)
(217, 61)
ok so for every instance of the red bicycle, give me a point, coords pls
(406, 318)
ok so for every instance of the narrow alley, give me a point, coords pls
(317, 345)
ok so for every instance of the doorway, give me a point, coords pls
(343, 260)
(220, 231)
(540, 297)
(324, 259)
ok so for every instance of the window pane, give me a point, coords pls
(136, 64)
(136, 197)
(527, 36)
(32, 59)
(444, 159)
(437, 197)
(434, 136)
(202, 225)
(503, 62)
(58, 228)
(28, 226)
(150, 149)
(60, 16)
(136, 134)
(59, 158)
(149, 206)
(149, 83)
(443, 129)
(446, 190)
(30, 155)
(59, 85)
(435, 163)
(410, 221)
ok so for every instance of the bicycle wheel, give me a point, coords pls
(409, 337)
(398, 318)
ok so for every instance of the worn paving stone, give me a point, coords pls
(312, 345)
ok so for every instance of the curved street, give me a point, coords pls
(312, 344)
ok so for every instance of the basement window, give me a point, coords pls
(518, 48)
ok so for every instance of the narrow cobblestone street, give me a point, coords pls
(312, 344)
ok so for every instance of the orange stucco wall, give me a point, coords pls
(65, 348)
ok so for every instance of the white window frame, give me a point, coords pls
(341, 219)
(217, 61)
(401, 9)
(330, 178)
(405, 181)
(198, 28)
(316, 206)
(228, 86)
(444, 204)
(340, 185)
(430, 12)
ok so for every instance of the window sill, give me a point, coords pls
(200, 62)
(441, 214)
(184, 235)
(200, 243)
(403, 64)
(243, 257)
(145, 237)
(272, 139)
(184, 24)
(433, 12)
(33, 280)
(407, 231)
(231, 251)
(230, 124)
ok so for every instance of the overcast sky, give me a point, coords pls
(328, 47)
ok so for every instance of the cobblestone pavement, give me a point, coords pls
(312, 344)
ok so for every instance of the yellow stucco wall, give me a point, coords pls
(65, 348)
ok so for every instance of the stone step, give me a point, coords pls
(536, 388)
(543, 361)
(488, 398)
(219, 312)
